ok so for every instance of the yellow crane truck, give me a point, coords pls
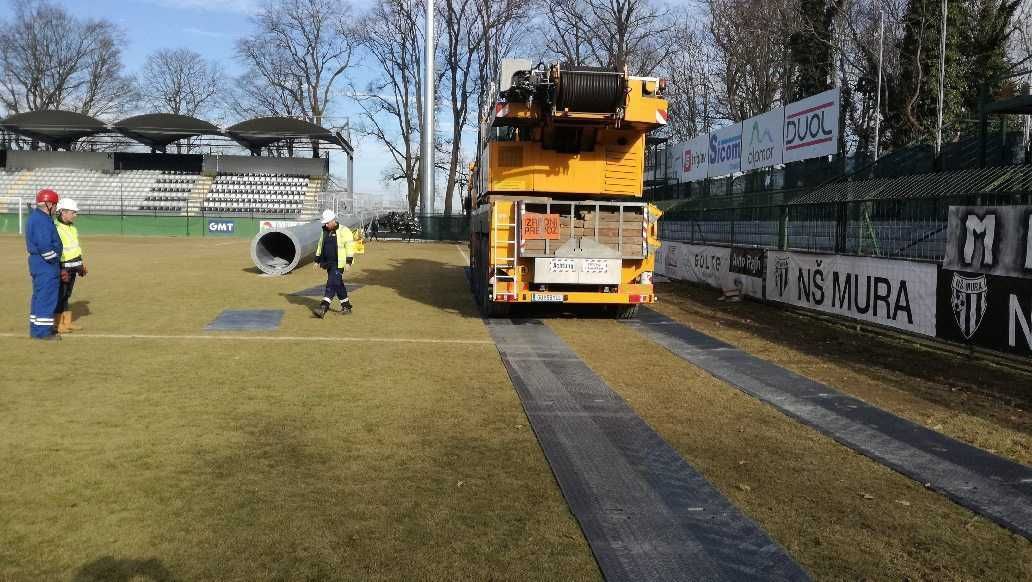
(556, 194)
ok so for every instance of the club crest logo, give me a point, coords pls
(968, 301)
(781, 275)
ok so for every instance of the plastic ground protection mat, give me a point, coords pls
(646, 513)
(987, 484)
(246, 320)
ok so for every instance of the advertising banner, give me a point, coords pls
(899, 294)
(690, 159)
(713, 266)
(725, 151)
(221, 227)
(996, 240)
(987, 311)
(271, 224)
(762, 140)
(812, 127)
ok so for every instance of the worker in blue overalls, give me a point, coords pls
(335, 252)
(44, 246)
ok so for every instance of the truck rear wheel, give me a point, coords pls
(627, 311)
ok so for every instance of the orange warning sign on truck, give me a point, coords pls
(540, 226)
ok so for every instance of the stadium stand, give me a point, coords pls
(257, 193)
(169, 191)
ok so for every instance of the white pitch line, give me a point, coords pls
(462, 252)
(273, 338)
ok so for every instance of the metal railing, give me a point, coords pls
(909, 228)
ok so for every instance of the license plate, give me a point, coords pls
(548, 297)
(562, 266)
(595, 266)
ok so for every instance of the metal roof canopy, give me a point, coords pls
(158, 130)
(257, 133)
(53, 127)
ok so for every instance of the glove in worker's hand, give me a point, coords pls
(65, 276)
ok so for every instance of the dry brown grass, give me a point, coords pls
(841, 515)
(976, 402)
(264, 460)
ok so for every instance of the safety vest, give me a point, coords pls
(345, 245)
(70, 239)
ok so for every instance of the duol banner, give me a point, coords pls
(761, 138)
(811, 127)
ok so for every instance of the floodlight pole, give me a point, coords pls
(942, 78)
(427, 158)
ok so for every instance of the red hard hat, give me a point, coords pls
(46, 195)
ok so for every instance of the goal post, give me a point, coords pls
(11, 205)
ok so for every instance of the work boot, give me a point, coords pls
(321, 310)
(345, 306)
(60, 323)
(68, 322)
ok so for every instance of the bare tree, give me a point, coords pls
(750, 50)
(392, 103)
(180, 81)
(300, 49)
(690, 88)
(51, 60)
(470, 30)
(615, 34)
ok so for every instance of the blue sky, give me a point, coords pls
(211, 27)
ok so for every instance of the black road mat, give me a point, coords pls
(985, 483)
(647, 514)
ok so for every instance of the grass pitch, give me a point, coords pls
(393, 448)
(389, 444)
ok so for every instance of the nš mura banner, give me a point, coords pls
(985, 287)
(899, 294)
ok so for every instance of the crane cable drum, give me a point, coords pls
(589, 90)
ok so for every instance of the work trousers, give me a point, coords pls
(64, 294)
(335, 286)
(46, 280)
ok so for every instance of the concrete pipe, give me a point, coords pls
(279, 251)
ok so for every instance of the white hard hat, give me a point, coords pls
(328, 216)
(67, 204)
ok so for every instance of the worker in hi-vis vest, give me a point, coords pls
(72, 264)
(44, 247)
(335, 252)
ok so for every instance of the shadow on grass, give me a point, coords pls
(79, 309)
(945, 379)
(433, 283)
(109, 569)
